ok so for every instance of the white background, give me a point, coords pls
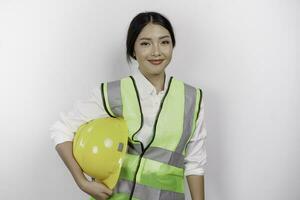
(243, 54)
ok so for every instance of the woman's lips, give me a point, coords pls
(156, 62)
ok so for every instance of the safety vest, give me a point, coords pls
(155, 171)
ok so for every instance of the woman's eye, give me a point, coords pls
(144, 43)
(166, 42)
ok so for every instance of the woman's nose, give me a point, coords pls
(156, 50)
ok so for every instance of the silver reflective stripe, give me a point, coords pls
(160, 155)
(165, 156)
(166, 195)
(114, 97)
(189, 110)
(143, 192)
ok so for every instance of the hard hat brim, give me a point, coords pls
(112, 180)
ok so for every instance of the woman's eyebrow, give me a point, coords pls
(145, 38)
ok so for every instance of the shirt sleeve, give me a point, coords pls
(82, 111)
(196, 157)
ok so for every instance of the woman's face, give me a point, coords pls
(153, 49)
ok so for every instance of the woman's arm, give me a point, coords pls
(65, 152)
(82, 111)
(196, 185)
(62, 134)
(97, 190)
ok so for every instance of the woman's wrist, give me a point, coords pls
(82, 183)
(80, 178)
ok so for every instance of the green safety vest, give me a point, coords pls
(156, 171)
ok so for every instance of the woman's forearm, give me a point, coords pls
(65, 151)
(196, 185)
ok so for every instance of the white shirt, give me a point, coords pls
(86, 110)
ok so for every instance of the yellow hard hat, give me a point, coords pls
(99, 147)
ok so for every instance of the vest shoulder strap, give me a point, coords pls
(198, 97)
(196, 94)
(111, 97)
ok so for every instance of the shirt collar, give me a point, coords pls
(144, 86)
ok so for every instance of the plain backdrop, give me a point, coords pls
(243, 54)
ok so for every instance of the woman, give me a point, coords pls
(168, 143)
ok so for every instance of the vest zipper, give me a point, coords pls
(154, 131)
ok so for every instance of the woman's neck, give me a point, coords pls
(158, 81)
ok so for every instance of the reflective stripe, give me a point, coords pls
(147, 193)
(160, 176)
(121, 196)
(189, 110)
(165, 156)
(197, 106)
(105, 100)
(114, 97)
(159, 154)
(153, 173)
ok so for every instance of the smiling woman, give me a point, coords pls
(165, 119)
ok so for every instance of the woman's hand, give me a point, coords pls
(97, 190)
